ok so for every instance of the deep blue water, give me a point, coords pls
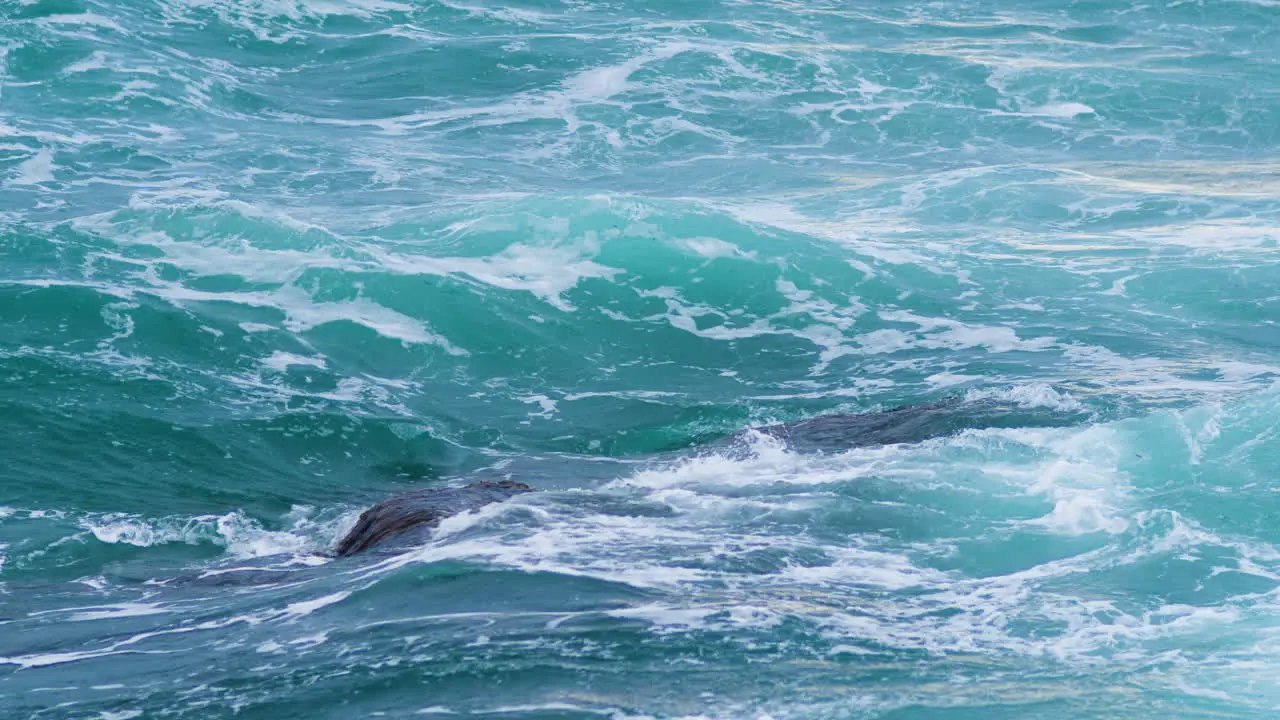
(265, 263)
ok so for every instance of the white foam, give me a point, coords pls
(262, 17)
(568, 547)
(305, 314)
(865, 568)
(826, 332)
(250, 327)
(547, 272)
(306, 607)
(87, 19)
(46, 659)
(96, 61)
(944, 333)
(1210, 235)
(539, 708)
(547, 405)
(289, 613)
(594, 85)
(242, 536)
(712, 248)
(609, 80)
(35, 170)
(1118, 287)
(879, 342)
(228, 256)
(1029, 395)
(854, 233)
(1063, 110)
(131, 532)
(114, 611)
(1081, 512)
(624, 394)
(946, 379)
(302, 311)
(281, 361)
(505, 14)
(666, 616)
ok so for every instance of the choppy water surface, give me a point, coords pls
(265, 263)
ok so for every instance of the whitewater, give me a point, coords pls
(266, 263)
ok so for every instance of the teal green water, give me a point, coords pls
(265, 263)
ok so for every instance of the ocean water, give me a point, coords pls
(264, 263)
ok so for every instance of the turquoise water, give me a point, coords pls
(265, 263)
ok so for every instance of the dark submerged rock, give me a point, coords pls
(392, 519)
(908, 424)
(407, 519)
